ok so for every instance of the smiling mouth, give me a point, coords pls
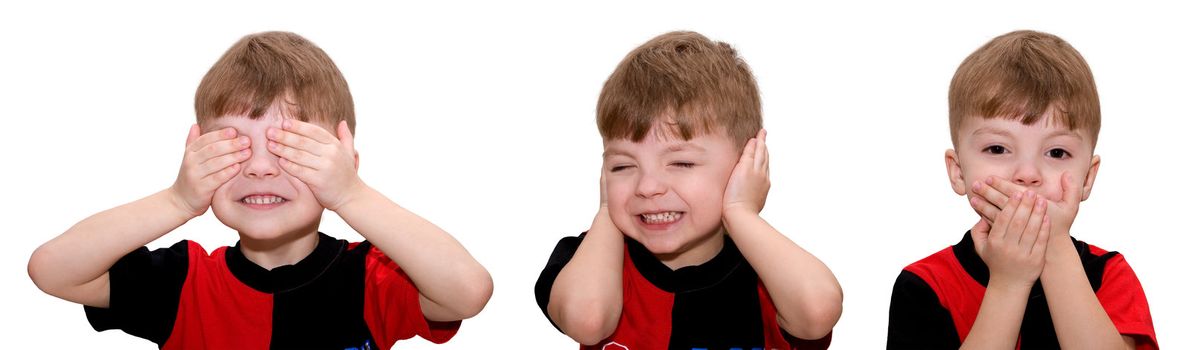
(661, 218)
(257, 200)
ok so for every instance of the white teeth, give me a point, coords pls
(661, 218)
(263, 199)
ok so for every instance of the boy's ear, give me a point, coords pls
(1090, 176)
(957, 182)
(357, 160)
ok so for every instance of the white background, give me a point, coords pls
(480, 117)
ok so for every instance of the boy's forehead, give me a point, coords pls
(242, 121)
(1046, 127)
(666, 142)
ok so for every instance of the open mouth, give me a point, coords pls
(661, 218)
(263, 201)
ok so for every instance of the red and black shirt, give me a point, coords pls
(718, 305)
(935, 300)
(342, 296)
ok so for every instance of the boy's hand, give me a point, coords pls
(325, 163)
(1014, 249)
(210, 160)
(603, 189)
(747, 189)
(992, 194)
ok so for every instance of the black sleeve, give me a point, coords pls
(561, 256)
(807, 344)
(916, 319)
(145, 288)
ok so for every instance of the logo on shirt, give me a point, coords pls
(367, 345)
(614, 346)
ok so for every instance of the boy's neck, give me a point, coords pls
(701, 252)
(282, 251)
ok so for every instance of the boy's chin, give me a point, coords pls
(673, 245)
(272, 232)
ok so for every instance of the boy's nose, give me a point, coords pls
(650, 186)
(262, 164)
(1027, 174)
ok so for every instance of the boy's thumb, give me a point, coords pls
(979, 233)
(194, 133)
(344, 133)
(1068, 195)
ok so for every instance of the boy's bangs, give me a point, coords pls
(687, 124)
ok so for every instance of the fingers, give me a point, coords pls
(345, 136)
(1068, 194)
(1042, 239)
(992, 195)
(298, 156)
(749, 153)
(1005, 216)
(297, 170)
(215, 151)
(200, 142)
(984, 209)
(761, 152)
(294, 140)
(194, 133)
(1032, 229)
(603, 188)
(979, 233)
(308, 130)
(1019, 220)
(222, 175)
(220, 162)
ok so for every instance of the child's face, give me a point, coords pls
(667, 193)
(263, 202)
(1031, 156)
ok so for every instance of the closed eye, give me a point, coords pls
(683, 164)
(618, 168)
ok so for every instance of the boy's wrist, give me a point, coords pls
(179, 204)
(732, 214)
(352, 195)
(1009, 286)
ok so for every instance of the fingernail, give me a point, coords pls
(229, 132)
(287, 124)
(977, 186)
(244, 141)
(990, 180)
(1016, 196)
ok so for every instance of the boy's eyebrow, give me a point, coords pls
(683, 147)
(1060, 133)
(991, 130)
(615, 152)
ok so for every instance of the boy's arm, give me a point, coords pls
(452, 284)
(587, 296)
(74, 266)
(1014, 251)
(806, 294)
(1079, 319)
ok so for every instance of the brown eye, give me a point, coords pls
(1058, 153)
(995, 149)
